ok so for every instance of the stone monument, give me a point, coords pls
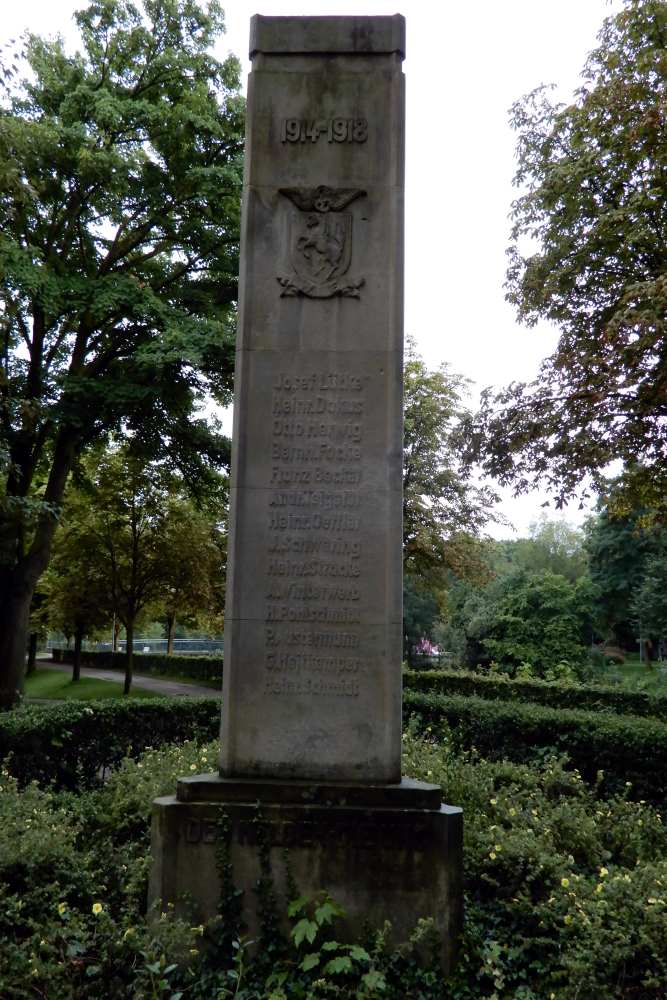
(311, 729)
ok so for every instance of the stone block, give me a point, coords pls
(383, 852)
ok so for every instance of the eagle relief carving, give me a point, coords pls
(320, 243)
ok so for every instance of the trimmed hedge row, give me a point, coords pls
(626, 748)
(199, 668)
(72, 744)
(447, 682)
(590, 698)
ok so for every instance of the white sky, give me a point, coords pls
(466, 64)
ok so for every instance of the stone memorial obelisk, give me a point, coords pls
(311, 729)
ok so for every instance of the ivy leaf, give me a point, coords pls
(296, 906)
(326, 911)
(374, 980)
(342, 963)
(359, 954)
(310, 961)
(304, 929)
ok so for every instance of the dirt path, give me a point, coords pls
(172, 689)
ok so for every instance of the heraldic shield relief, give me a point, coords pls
(320, 243)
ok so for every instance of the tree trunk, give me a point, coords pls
(32, 653)
(17, 584)
(129, 656)
(14, 618)
(171, 628)
(116, 633)
(76, 662)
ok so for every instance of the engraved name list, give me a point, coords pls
(314, 588)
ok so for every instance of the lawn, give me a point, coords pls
(58, 685)
(636, 676)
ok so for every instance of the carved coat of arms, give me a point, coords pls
(320, 243)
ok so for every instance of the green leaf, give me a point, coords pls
(304, 929)
(374, 980)
(327, 910)
(296, 906)
(310, 961)
(339, 964)
(359, 954)
(330, 946)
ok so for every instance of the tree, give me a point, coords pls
(124, 537)
(75, 585)
(594, 200)
(553, 545)
(536, 618)
(624, 550)
(444, 512)
(120, 175)
(421, 611)
(648, 606)
(193, 565)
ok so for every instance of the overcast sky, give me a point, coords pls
(466, 64)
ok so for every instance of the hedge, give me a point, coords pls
(449, 682)
(199, 668)
(555, 695)
(71, 745)
(625, 748)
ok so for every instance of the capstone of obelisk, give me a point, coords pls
(311, 727)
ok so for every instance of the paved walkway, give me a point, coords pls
(150, 682)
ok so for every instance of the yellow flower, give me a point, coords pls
(494, 802)
(193, 767)
(61, 908)
(97, 908)
(567, 919)
(497, 847)
(492, 855)
(603, 872)
(599, 887)
(565, 882)
(512, 811)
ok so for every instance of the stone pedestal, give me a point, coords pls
(383, 852)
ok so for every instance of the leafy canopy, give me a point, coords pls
(444, 512)
(120, 172)
(589, 254)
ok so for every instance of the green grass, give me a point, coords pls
(636, 676)
(58, 685)
(198, 682)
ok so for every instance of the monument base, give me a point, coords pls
(383, 852)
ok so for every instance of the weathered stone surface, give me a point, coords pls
(311, 729)
(313, 620)
(398, 862)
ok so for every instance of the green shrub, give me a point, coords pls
(623, 748)
(199, 668)
(565, 895)
(555, 695)
(72, 745)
